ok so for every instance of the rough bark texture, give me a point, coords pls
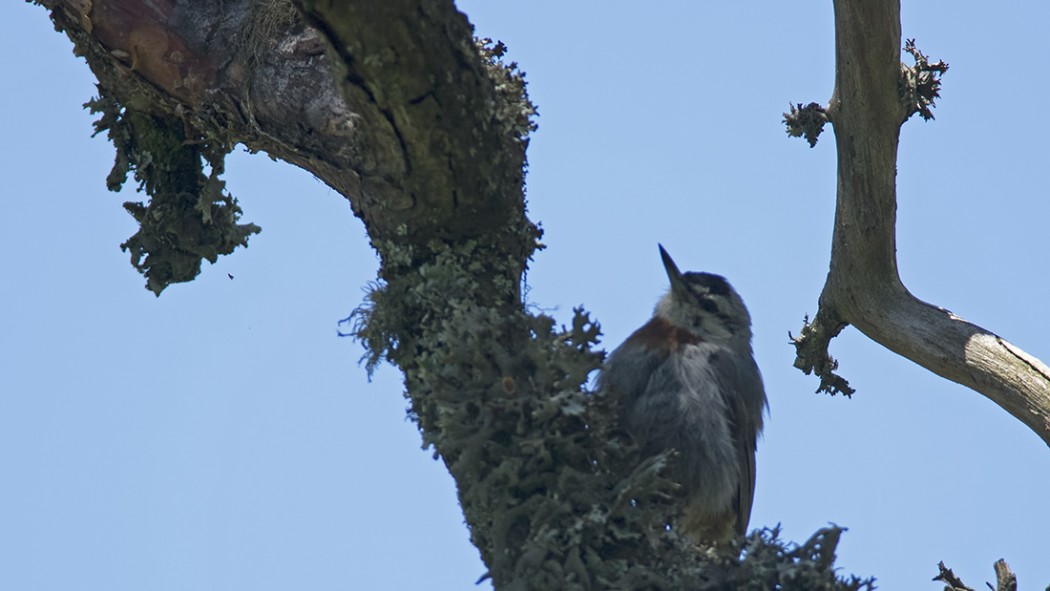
(873, 97)
(453, 166)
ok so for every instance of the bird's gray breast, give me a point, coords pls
(683, 403)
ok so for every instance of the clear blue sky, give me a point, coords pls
(222, 437)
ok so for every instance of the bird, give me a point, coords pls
(687, 381)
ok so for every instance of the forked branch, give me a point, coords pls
(874, 94)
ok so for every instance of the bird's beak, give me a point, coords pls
(677, 283)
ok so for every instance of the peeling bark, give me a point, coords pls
(237, 71)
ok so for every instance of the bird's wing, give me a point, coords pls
(629, 368)
(745, 495)
(745, 405)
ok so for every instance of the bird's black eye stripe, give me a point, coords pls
(708, 305)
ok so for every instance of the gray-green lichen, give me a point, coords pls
(920, 85)
(513, 108)
(189, 216)
(919, 88)
(555, 493)
(806, 121)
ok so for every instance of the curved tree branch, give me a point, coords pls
(416, 69)
(863, 286)
(394, 104)
(235, 71)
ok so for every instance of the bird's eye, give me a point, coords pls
(706, 303)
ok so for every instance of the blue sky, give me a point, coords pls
(223, 437)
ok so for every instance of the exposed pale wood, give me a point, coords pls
(863, 287)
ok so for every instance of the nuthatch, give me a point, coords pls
(687, 380)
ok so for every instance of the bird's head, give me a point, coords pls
(704, 304)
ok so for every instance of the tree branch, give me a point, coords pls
(393, 104)
(863, 286)
(415, 71)
(1005, 580)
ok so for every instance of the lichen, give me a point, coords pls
(189, 216)
(920, 85)
(556, 495)
(514, 108)
(806, 121)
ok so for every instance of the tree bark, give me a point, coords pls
(395, 106)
